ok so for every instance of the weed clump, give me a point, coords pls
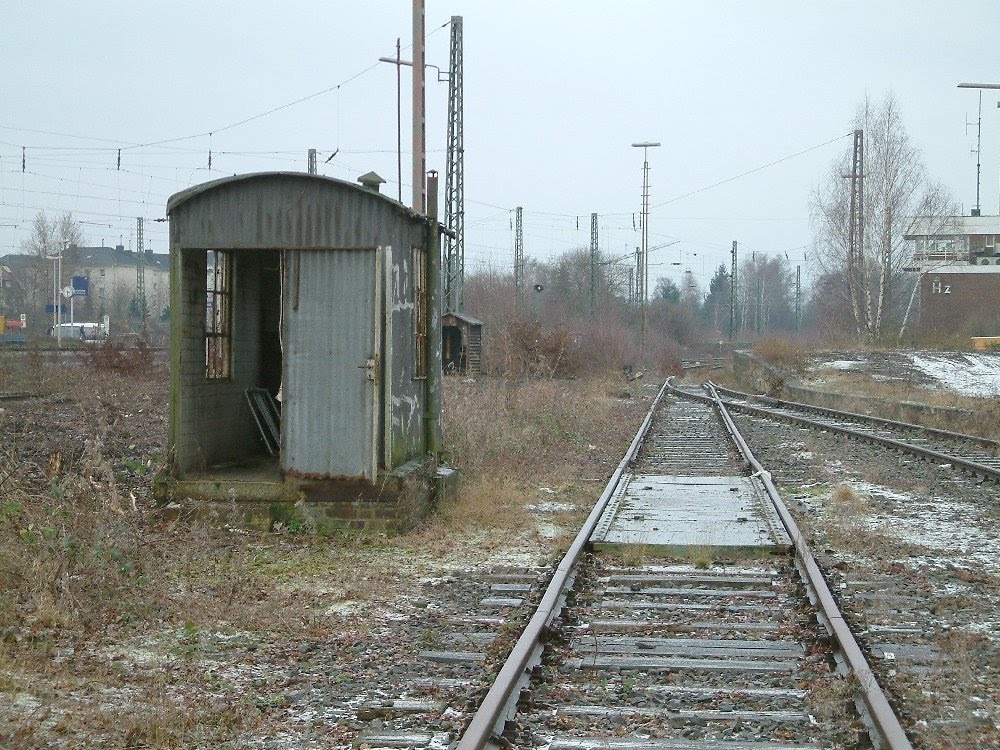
(115, 356)
(782, 353)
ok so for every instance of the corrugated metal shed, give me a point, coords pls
(462, 342)
(322, 279)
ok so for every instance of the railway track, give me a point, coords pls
(978, 456)
(688, 613)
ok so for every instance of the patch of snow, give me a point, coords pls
(941, 525)
(549, 530)
(970, 374)
(550, 507)
(842, 364)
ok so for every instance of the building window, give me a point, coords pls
(419, 313)
(218, 316)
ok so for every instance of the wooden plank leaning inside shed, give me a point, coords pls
(314, 298)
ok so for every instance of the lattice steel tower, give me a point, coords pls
(140, 271)
(593, 264)
(855, 231)
(454, 180)
(733, 327)
(518, 257)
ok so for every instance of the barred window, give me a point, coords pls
(419, 313)
(218, 315)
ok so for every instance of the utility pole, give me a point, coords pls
(732, 296)
(855, 230)
(311, 168)
(518, 258)
(140, 272)
(798, 298)
(761, 323)
(638, 277)
(593, 264)
(454, 180)
(419, 124)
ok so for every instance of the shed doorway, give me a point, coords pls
(331, 405)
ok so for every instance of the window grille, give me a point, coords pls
(419, 313)
(218, 316)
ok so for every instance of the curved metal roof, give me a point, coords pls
(182, 197)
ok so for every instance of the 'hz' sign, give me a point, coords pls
(938, 288)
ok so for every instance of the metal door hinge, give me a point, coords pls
(370, 365)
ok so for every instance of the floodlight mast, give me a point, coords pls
(645, 146)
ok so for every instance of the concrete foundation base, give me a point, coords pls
(257, 498)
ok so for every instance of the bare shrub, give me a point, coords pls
(788, 355)
(604, 347)
(844, 496)
(117, 357)
(526, 349)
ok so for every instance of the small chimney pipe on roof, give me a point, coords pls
(371, 181)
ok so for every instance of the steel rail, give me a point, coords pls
(496, 706)
(947, 434)
(883, 719)
(973, 467)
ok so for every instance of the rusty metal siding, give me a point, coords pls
(327, 414)
(321, 218)
(284, 210)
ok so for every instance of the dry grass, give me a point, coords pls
(782, 353)
(849, 526)
(88, 569)
(532, 430)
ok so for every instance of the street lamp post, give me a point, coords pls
(399, 115)
(56, 276)
(399, 62)
(645, 146)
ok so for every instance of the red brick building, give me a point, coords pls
(958, 259)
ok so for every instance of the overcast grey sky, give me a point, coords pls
(555, 93)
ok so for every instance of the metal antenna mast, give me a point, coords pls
(732, 296)
(593, 264)
(454, 180)
(855, 230)
(979, 151)
(312, 161)
(140, 271)
(518, 257)
(979, 134)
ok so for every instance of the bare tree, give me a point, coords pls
(895, 190)
(50, 236)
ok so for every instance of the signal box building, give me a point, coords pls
(958, 261)
(303, 362)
